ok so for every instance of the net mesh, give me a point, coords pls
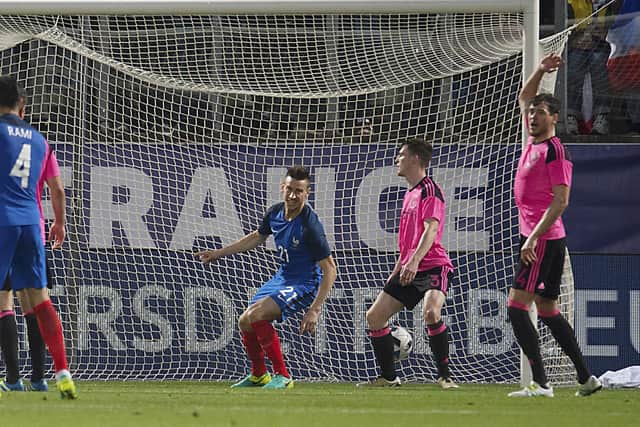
(173, 134)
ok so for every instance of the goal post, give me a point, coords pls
(262, 7)
(175, 121)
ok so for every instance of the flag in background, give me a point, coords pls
(624, 36)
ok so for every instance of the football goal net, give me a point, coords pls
(174, 129)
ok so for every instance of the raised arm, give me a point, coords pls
(549, 64)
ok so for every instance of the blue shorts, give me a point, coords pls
(22, 256)
(290, 295)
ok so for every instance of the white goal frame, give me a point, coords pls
(530, 10)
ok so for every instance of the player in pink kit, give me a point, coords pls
(542, 186)
(423, 269)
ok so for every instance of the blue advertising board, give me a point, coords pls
(604, 212)
(139, 305)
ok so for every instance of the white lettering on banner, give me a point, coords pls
(191, 224)
(324, 194)
(103, 320)
(66, 174)
(368, 205)
(274, 186)
(321, 342)
(130, 213)
(372, 186)
(192, 295)
(104, 211)
(100, 309)
(165, 339)
(274, 195)
(101, 306)
(478, 322)
(362, 299)
(450, 180)
(584, 322)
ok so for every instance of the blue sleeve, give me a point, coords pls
(265, 228)
(265, 225)
(315, 235)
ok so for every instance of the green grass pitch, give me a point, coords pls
(181, 404)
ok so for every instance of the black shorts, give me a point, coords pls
(410, 295)
(545, 275)
(6, 286)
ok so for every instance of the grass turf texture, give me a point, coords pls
(314, 404)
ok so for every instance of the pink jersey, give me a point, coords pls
(541, 166)
(422, 202)
(50, 170)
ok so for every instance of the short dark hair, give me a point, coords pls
(11, 92)
(551, 101)
(420, 148)
(299, 173)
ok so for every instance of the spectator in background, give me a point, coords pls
(624, 61)
(588, 53)
(363, 127)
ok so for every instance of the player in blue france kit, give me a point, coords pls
(23, 153)
(303, 281)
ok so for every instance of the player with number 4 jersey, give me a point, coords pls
(303, 281)
(23, 152)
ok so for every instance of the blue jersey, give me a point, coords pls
(301, 243)
(22, 154)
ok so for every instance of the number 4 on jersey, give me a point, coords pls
(22, 166)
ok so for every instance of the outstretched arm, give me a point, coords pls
(329, 274)
(549, 64)
(248, 242)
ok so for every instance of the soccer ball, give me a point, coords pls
(402, 342)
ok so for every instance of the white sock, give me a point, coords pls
(62, 373)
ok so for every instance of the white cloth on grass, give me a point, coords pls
(627, 377)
